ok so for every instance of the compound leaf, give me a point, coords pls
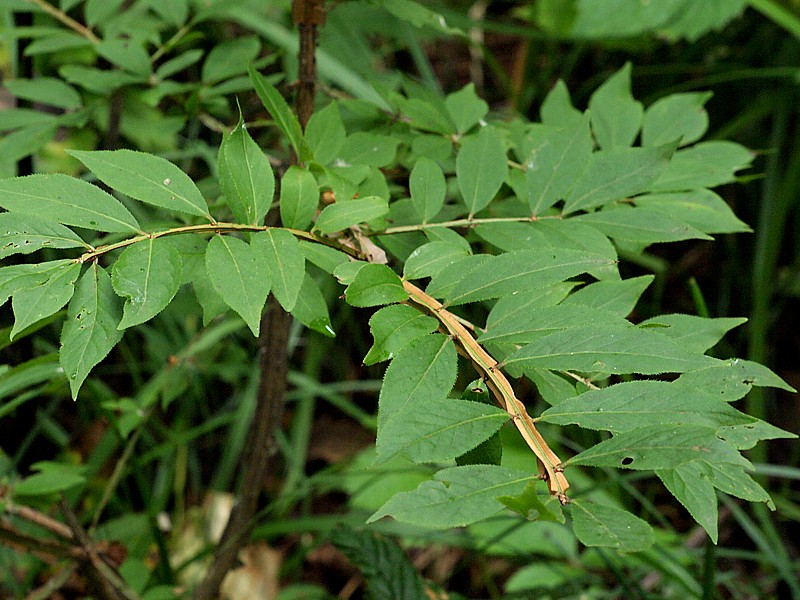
(284, 258)
(481, 168)
(346, 213)
(393, 328)
(36, 303)
(299, 198)
(373, 285)
(25, 233)
(609, 527)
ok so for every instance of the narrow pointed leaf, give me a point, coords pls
(283, 257)
(424, 371)
(609, 527)
(510, 309)
(692, 332)
(428, 188)
(148, 275)
(619, 297)
(25, 233)
(343, 214)
(704, 165)
(393, 328)
(374, 285)
(36, 303)
(455, 497)
(616, 116)
(325, 133)
(429, 259)
(299, 198)
(240, 277)
(245, 176)
(702, 209)
(17, 278)
(67, 200)
(310, 308)
(90, 331)
(481, 168)
(690, 484)
(732, 480)
(745, 436)
(677, 116)
(733, 378)
(466, 108)
(640, 225)
(557, 109)
(145, 177)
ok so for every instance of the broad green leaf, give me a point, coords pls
(609, 527)
(179, 63)
(437, 429)
(90, 331)
(417, 15)
(423, 371)
(733, 378)
(98, 11)
(240, 276)
(517, 272)
(517, 306)
(18, 278)
(627, 406)
(557, 109)
(299, 198)
(283, 116)
(311, 309)
(173, 11)
(147, 274)
(481, 168)
(548, 575)
(51, 478)
(490, 451)
(207, 296)
(22, 233)
(640, 225)
(245, 176)
(145, 177)
(426, 114)
(702, 209)
(616, 116)
(372, 149)
(325, 257)
(617, 174)
(535, 503)
(690, 484)
(67, 200)
(374, 285)
(230, 58)
(47, 90)
(284, 258)
(610, 349)
(325, 133)
(450, 276)
(429, 259)
(704, 165)
(746, 436)
(393, 328)
(466, 108)
(619, 297)
(553, 388)
(346, 272)
(346, 213)
(655, 447)
(428, 188)
(553, 163)
(693, 333)
(455, 497)
(678, 116)
(125, 53)
(694, 19)
(732, 480)
(33, 304)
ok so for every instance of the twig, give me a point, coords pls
(60, 15)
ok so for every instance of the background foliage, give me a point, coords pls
(155, 439)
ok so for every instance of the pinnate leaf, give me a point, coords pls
(692, 332)
(678, 116)
(325, 133)
(36, 303)
(616, 116)
(240, 277)
(299, 198)
(481, 168)
(148, 275)
(343, 214)
(311, 309)
(22, 233)
(465, 108)
(702, 209)
(67, 200)
(429, 259)
(618, 297)
(428, 188)
(90, 331)
(704, 165)
(374, 285)
(287, 266)
(690, 484)
(393, 328)
(557, 109)
(732, 379)
(17, 278)
(609, 527)
(145, 177)
(640, 225)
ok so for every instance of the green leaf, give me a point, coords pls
(732, 379)
(299, 198)
(690, 484)
(619, 297)
(51, 478)
(325, 257)
(521, 270)
(283, 116)
(609, 527)
(694, 19)
(325, 133)
(533, 505)
(702, 209)
(617, 174)
(630, 405)
(393, 328)
(640, 225)
(311, 309)
(517, 306)
(746, 436)
(245, 176)
(554, 161)
(694, 333)
(67, 200)
(90, 331)
(47, 90)
(455, 497)
(33, 304)
(417, 15)
(284, 258)
(17, 278)
(489, 451)
(179, 63)
(481, 168)
(466, 108)
(608, 349)
(616, 116)
(346, 213)
(428, 188)
(145, 177)
(429, 259)
(423, 371)
(230, 58)
(557, 109)
(704, 165)
(125, 53)
(677, 116)
(25, 233)
(372, 149)
(148, 275)
(437, 429)
(732, 480)
(658, 447)
(374, 285)
(553, 388)
(240, 277)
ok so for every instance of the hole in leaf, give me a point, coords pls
(627, 460)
